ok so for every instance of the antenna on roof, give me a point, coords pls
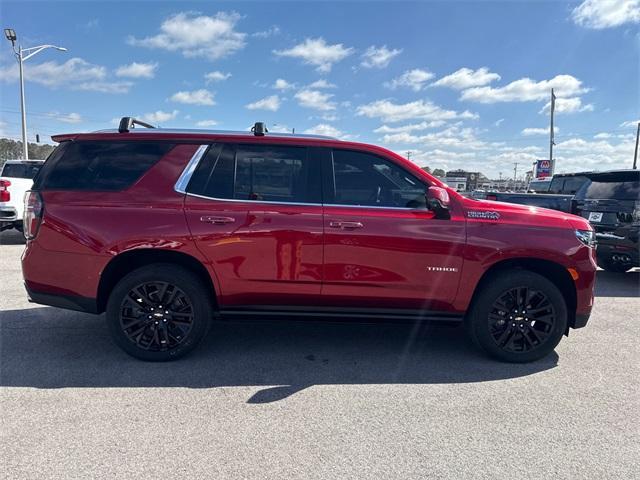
(127, 123)
(259, 129)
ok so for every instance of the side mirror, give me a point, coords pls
(438, 201)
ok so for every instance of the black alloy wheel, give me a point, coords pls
(517, 316)
(521, 319)
(159, 312)
(156, 316)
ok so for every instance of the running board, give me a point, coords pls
(346, 313)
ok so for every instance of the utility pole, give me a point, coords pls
(635, 152)
(515, 173)
(22, 55)
(408, 154)
(551, 132)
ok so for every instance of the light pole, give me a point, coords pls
(22, 55)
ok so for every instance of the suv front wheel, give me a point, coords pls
(159, 312)
(518, 317)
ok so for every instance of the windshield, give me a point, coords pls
(21, 170)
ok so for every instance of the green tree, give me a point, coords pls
(438, 172)
(11, 150)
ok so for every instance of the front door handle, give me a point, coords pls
(217, 220)
(346, 225)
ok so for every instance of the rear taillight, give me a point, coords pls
(5, 195)
(33, 210)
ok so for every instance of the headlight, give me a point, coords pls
(588, 237)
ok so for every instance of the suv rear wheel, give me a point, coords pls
(518, 317)
(159, 312)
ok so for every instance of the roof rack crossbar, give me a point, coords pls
(127, 123)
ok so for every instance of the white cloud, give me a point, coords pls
(499, 122)
(321, 84)
(467, 78)
(66, 117)
(272, 31)
(602, 135)
(531, 131)
(378, 57)
(415, 79)
(451, 137)
(282, 84)
(195, 97)
(630, 123)
(419, 109)
(568, 105)
(75, 74)
(526, 90)
(601, 14)
(159, 116)
(324, 129)
(104, 87)
(317, 52)
(211, 37)
(206, 123)
(271, 103)
(411, 127)
(315, 99)
(216, 76)
(137, 70)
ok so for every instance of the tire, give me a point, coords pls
(493, 325)
(610, 266)
(144, 330)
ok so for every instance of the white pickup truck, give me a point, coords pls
(16, 178)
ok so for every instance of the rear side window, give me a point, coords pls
(104, 166)
(21, 170)
(267, 173)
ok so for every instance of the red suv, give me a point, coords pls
(166, 229)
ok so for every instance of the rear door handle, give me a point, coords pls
(217, 220)
(346, 225)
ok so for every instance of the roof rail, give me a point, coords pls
(127, 123)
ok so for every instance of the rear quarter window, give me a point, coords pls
(105, 166)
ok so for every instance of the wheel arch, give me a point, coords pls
(552, 271)
(128, 261)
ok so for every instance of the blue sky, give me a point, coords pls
(459, 84)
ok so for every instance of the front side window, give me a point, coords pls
(363, 179)
(268, 173)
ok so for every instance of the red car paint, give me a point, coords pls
(297, 255)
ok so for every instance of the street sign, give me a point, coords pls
(544, 168)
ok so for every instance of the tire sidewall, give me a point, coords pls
(189, 283)
(478, 320)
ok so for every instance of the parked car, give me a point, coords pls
(561, 190)
(16, 178)
(161, 229)
(611, 203)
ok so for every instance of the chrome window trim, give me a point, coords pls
(187, 173)
(239, 200)
(185, 176)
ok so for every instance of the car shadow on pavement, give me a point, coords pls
(52, 348)
(611, 284)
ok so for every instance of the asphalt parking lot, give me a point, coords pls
(315, 400)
